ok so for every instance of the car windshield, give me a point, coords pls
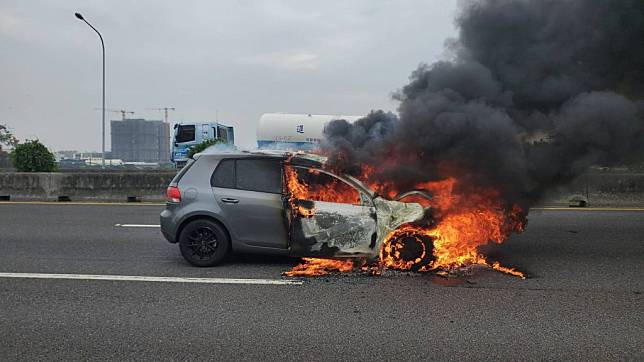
(185, 133)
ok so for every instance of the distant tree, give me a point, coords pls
(33, 156)
(203, 145)
(6, 137)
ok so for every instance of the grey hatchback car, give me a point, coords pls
(241, 202)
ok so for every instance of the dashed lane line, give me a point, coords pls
(137, 226)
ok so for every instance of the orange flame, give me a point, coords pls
(465, 221)
(393, 249)
(316, 267)
(320, 188)
(297, 190)
(511, 271)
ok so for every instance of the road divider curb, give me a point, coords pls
(558, 208)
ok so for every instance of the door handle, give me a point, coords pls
(229, 200)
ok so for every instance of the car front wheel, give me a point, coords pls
(408, 249)
(203, 243)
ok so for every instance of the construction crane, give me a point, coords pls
(121, 111)
(165, 109)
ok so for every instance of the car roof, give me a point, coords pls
(297, 158)
(301, 158)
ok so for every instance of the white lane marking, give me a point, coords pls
(137, 278)
(68, 203)
(137, 226)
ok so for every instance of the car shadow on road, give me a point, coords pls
(256, 259)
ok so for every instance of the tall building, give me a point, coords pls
(138, 140)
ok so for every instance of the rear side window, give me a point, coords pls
(263, 175)
(259, 175)
(224, 175)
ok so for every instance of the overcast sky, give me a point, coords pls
(238, 58)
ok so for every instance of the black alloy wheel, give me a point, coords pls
(203, 243)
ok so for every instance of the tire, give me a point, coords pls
(204, 243)
(414, 247)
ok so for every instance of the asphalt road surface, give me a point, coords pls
(583, 300)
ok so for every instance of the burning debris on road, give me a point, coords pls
(537, 92)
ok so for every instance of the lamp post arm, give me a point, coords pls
(103, 108)
(97, 32)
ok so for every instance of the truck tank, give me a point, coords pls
(294, 131)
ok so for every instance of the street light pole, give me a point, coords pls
(80, 17)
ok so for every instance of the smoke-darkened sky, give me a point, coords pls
(236, 58)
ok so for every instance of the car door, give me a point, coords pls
(248, 192)
(327, 216)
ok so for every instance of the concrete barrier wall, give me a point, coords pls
(602, 189)
(107, 186)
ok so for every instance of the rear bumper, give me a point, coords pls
(168, 225)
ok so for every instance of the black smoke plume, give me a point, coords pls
(537, 91)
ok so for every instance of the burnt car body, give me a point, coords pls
(242, 202)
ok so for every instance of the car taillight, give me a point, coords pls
(173, 194)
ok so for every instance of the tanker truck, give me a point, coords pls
(285, 131)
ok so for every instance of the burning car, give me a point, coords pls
(287, 204)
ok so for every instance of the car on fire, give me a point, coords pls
(277, 203)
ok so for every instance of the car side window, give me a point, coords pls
(263, 175)
(324, 187)
(224, 175)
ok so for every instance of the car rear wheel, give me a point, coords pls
(204, 243)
